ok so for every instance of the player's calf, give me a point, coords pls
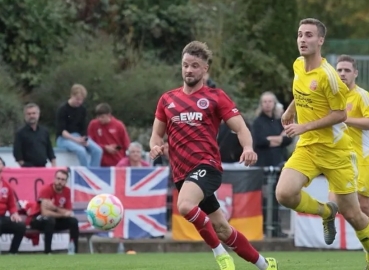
(237, 241)
(350, 209)
(364, 204)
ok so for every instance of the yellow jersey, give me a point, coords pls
(358, 107)
(316, 93)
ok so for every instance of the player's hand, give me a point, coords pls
(110, 149)
(287, 118)
(48, 204)
(68, 213)
(15, 218)
(156, 151)
(248, 157)
(293, 130)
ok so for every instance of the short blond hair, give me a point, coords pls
(78, 89)
(200, 50)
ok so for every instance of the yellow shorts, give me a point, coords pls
(363, 180)
(337, 165)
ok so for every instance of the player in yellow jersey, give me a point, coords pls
(358, 122)
(323, 147)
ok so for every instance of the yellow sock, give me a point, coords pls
(367, 257)
(310, 205)
(363, 236)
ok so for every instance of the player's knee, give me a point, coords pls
(185, 207)
(49, 222)
(73, 222)
(287, 195)
(19, 227)
(283, 196)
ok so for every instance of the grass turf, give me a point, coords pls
(181, 261)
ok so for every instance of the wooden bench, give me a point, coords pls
(79, 213)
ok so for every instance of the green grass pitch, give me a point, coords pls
(181, 261)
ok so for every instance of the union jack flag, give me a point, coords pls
(142, 191)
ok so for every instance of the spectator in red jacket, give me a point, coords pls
(134, 159)
(53, 211)
(110, 134)
(10, 224)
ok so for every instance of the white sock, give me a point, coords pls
(219, 250)
(261, 263)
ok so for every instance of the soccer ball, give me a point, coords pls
(104, 212)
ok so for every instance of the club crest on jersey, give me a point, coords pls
(62, 201)
(313, 85)
(4, 192)
(349, 107)
(225, 198)
(203, 103)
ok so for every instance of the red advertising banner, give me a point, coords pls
(27, 182)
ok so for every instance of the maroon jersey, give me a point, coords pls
(62, 199)
(7, 199)
(192, 127)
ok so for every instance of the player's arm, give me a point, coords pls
(334, 117)
(238, 126)
(292, 107)
(361, 122)
(158, 132)
(46, 209)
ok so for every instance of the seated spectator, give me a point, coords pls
(53, 211)
(71, 129)
(10, 224)
(32, 144)
(110, 134)
(134, 158)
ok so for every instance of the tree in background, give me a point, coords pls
(344, 19)
(31, 33)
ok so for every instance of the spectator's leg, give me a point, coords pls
(96, 153)
(18, 229)
(47, 226)
(74, 147)
(70, 224)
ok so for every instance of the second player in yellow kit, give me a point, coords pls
(358, 123)
(327, 150)
(325, 145)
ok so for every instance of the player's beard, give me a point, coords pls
(58, 188)
(193, 82)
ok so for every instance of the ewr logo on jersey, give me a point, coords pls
(189, 118)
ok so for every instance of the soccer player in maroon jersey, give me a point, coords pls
(10, 224)
(190, 116)
(53, 211)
